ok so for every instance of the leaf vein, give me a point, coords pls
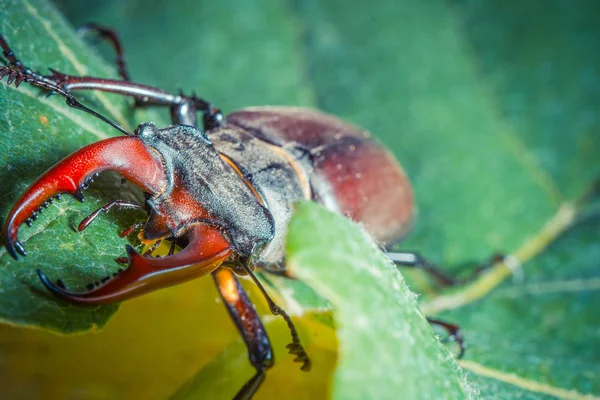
(562, 220)
(568, 286)
(530, 163)
(527, 384)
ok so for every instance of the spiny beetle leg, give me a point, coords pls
(112, 37)
(454, 334)
(206, 250)
(18, 73)
(105, 208)
(72, 175)
(414, 260)
(295, 348)
(183, 108)
(172, 247)
(137, 225)
(183, 113)
(249, 325)
(250, 387)
(180, 113)
(15, 70)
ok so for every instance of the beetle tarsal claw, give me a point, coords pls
(14, 75)
(297, 350)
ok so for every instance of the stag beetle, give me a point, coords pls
(223, 193)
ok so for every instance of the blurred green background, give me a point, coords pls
(491, 107)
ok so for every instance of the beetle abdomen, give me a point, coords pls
(351, 173)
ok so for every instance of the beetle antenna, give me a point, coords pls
(18, 73)
(295, 348)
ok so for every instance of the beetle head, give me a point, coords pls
(201, 188)
(145, 166)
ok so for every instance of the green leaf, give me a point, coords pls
(380, 329)
(491, 107)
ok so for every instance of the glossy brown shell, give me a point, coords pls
(351, 173)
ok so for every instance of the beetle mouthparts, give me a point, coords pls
(206, 250)
(13, 247)
(73, 174)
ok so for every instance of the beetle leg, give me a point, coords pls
(72, 174)
(105, 208)
(414, 260)
(182, 107)
(183, 113)
(454, 334)
(18, 73)
(112, 37)
(212, 118)
(249, 325)
(172, 247)
(137, 225)
(295, 348)
(206, 250)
